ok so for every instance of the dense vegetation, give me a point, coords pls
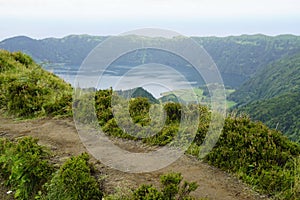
(260, 156)
(25, 166)
(73, 180)
(26, 90)
(27, 169)
(272, 96)
(240, 57)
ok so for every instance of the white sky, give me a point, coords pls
(57, 18)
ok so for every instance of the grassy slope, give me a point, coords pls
(26, 90)
(240, 57)
(272, 96)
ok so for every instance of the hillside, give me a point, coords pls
(272, 96)
(27, 90)
(238, 57)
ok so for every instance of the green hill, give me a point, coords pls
(137, 92)
(272, 96)
(169, 98)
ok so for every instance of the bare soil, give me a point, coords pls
(61, 137)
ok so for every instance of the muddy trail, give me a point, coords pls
(61, 137)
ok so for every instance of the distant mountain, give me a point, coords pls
(273, 96)
(70, 50)
(169, 98)
(238, 57)
(137, 92)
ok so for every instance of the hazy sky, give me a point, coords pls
(58, 18)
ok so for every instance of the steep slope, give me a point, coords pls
(240, 57)
(27, 90)
(272, 96)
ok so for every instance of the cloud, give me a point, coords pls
(57, 18)
(118, 9)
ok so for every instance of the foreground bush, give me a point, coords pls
(74, 181)
(25, 165)
(262, 157)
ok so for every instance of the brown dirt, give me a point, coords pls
(61, 137)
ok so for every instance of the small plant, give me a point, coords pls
(121, 193)
(172, 189)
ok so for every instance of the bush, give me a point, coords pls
(260, 156)
(23, 58)
(139, 110)
(74, 181)
(172, 189)
(147, 192)
(25, 166)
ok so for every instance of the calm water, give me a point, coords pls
(155, 78)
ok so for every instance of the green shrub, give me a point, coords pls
(173, 111)
(163, 137)
(74, 181)
(147, 192)
(25, 166)
(260, 156)
(139, 110)
(172, 189)
(23, 58)
(103, 106)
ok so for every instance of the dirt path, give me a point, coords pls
(61, 137)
